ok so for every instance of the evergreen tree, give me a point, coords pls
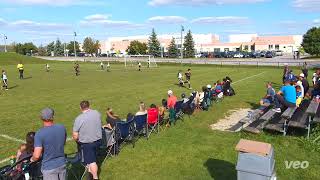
(154, 45)
(188, 45)
(311, 41)
(173, 50)
(50, 48)
(58, 48)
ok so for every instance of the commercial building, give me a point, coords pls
(212, 43)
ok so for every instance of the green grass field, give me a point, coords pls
(189, 150)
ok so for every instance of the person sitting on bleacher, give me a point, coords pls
(286, 97)
(269, 97)
(304, 83)
(299, 95)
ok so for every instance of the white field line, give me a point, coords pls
(11, 138)
(248, 78)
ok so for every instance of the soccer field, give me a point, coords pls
(189, 150)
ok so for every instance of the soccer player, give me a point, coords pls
(149, 63)
(77, 69)
(180, 78)
(20, 67)
(139, 65)
(102, 65)
(188, 78)
(47, 67)
(4, 80)
(108, 67)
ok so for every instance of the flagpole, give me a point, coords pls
(5, 43)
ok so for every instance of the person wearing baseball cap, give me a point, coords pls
(286, 97)
(305, 83)
(171, 102)
(49, 144)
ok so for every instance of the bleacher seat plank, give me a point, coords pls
(276, 124)
(313, 107)
(268, 115)
(288, 113)
(237, 127)
(251, 130)
(300, 117)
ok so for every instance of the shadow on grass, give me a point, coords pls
(12, 87)
(254, 105)
(220, 169)
(30, 77)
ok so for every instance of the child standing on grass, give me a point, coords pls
(4, 80)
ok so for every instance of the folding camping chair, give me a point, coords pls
(140, 124)
(21, 170)
(179, 110)
(124, 133)
(74, 164)
(108, 142)
(152, 121)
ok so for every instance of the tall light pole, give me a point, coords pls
(181, 49)
(5, 42)
(74, 44)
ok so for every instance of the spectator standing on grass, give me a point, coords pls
(4, 80)
(20, 67)
(139, 66)
(286, 97)
(305, 70)
(49, 144)
(87, 132)
(285, 72)
(171, 103)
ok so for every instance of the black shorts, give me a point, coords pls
(89, 152)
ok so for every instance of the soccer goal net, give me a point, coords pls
(145, 61)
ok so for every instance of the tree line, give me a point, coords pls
(153, 47)
(57, 48)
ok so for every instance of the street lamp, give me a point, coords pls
(181, 49)
(5, 42)
(74, 44)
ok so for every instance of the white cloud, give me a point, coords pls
(316, 21)
(200, 2)
(2, 22)
(104, 20)
(37, 26)
(307, 5)
(167, 19)
(223, 20)
(54, 2)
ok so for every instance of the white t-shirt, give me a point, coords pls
(4, 76)
(179, 75)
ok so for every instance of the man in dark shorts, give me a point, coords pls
(77, 69)
(49, 144)
(188, 78)
(87, 131)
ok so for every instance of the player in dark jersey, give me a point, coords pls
(77, 69)
(188, 78)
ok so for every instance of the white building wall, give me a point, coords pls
(238, 38)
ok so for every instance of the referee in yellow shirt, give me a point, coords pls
(21, 69)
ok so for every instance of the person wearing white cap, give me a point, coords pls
(304, 83)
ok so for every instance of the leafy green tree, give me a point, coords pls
(25, 48)
(154, 45)
(172, 49)
(42, 51)
(189, 50)
(70, 47)
(311, 41)
(137, 48)
(90, 45)
(58, 48)
(50, 48)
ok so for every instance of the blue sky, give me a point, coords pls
(41, 21)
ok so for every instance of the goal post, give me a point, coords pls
(145, 60)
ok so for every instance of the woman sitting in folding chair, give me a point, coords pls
(152, 120)
(163, 113)
(112, 119)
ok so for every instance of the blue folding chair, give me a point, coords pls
(179, 110)
(125, 133)
(140, 124)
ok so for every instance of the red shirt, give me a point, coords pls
(171, 102)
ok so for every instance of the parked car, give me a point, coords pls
(269, 54)
(263, 53)
(279, 53)
(198, 55)
(238, 55)
(256, 55)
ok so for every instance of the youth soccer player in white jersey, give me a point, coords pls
(4, 80)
